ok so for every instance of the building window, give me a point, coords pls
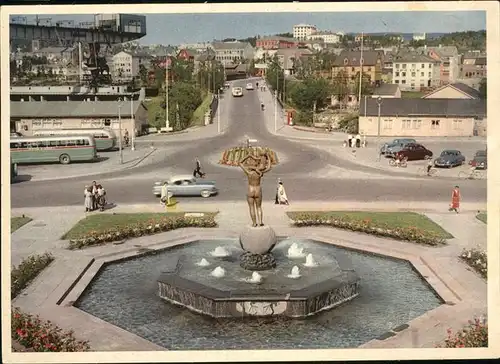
(369, 69)
(403, 74)
(430, 65)
(417, 124)
(403, 82)
(396, 81)
(430, 74)
(434, 124)
(413, 74)
(413, 65)
(422, 65)
(397, 74)
(353, 69)
(406, 124)
(397, 65)
(457, 124)
(421, 74)
(387, 123)
(404, 65)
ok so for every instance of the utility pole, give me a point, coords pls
(120, 132)
(379, 103)
(276, 111)
(218, 111)
(133, 120)
(167, 122)
(361, 62)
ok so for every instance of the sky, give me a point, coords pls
(191, 28)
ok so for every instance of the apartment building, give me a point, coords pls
(275, 42)
(125, 65)
(302, 31)
(450, 61)
(473, 65)
(351, 62)
(325, 36)
(232, 52)
(415, 72)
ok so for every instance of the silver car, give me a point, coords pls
(186, 185)
(395, 146)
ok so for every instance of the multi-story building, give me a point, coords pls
(419, 36)
(473, 65)
(325, 36)
(450, 61)
(350, 62)
(126, 66)
(302, 31)
(288, 58)
(232, 52)
(275, 42)
(198, 47)
(415, 72)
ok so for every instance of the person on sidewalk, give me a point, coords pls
(165, 198)
(101, 197)
(89, 200)
(276, 199)
(358, 141)
(455, 199)
(282, 197)
(94, 195)
(429, 167)
(197, 169)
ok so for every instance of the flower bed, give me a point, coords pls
(476, 259)
(27, 270)
(37, 335)
(140, 228)
(474, 335)
(369, 226)
(232, 156)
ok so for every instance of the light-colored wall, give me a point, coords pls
(448, 93)
(394, 126)
(430, 72)
(481, 128)
(375, 72)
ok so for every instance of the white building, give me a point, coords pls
(232, 52)
(413, 72)
(198, 47)
(126, 65)
(419, 36)
(302, 31)
(326, 37)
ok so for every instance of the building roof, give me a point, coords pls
(386, 89)
(412, 57)
(275, 37)
(369, 57)
(70, 109)
(191, 53)
(230, 45)
(424, 107)
(443, 51)
(461, 87)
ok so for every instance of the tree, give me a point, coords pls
(482, 89)
(284, 35)
(275, 77)
(13, 68)
(366, 87)
(184, 98)
(340, 86)
(312, 94)
(143, 74)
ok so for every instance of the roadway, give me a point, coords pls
(246, 120)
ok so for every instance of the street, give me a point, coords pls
(241, 119)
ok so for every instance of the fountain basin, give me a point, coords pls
(329, 284)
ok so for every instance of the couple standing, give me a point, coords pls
(281, 197)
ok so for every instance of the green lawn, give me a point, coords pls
(412, 95)
(102, 222)
(482, 217)
(199, 113)
(393, 219)
(18, 222)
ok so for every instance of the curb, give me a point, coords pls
(96, 174)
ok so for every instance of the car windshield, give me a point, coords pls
(445, 153)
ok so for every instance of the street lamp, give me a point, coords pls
(133, 120)
(218, 111)
(167, 122)
(275, 111)
(120, 132)
(379, 103)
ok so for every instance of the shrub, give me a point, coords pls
(141, 229)
(474, 335)
(411, 234)
(27, 270)
(476, 259)
(33, 333)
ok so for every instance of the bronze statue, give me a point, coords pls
(254, 171)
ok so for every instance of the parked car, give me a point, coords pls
(237, 91)
(186, 185)
(480, 160)
(395, 146)
(227, 84)
(414, 152)
(249, 86)
(449, 158)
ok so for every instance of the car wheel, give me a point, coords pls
(205, 194)
(64, 159)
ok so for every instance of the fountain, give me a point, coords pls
(218, 272)
(310, 262)
(220, 252)
(295, 273)
(203, 263)
(332, 282)
(295, 251)
(255, 278)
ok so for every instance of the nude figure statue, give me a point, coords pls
(254, 170)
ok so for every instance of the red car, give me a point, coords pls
(414, 152)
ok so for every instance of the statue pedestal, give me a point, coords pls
(257, 243)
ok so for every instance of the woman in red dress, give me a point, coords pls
(455, 199)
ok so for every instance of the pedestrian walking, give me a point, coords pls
(197, 170)
(282, 197)
(165, 198)
(276, 199)
(349, 140)
(88, 198)
(93, 189)
(358, 141)
(455, 199)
